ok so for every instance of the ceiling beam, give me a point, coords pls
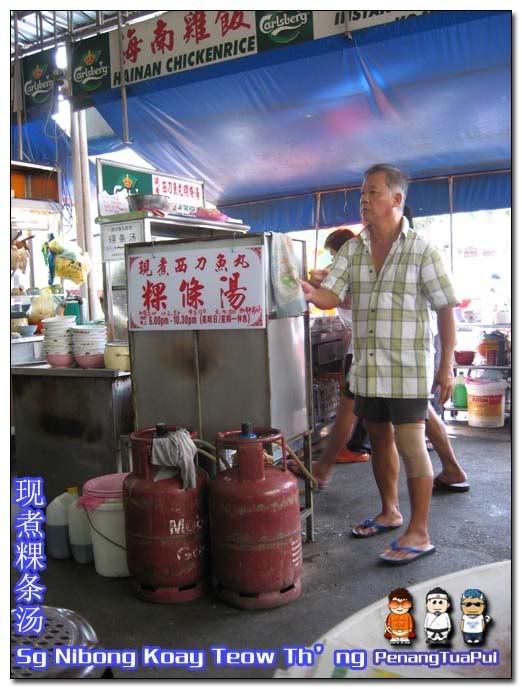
(73, 29)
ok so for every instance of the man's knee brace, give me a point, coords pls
(411, 445)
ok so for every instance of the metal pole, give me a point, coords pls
(87, 217)
(77, 188)
(317, 211)
(123, 89)
(450, 192)
(18, 100)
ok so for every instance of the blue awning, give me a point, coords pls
(431, 95)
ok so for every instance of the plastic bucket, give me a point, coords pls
(102, 499)
(486, 403)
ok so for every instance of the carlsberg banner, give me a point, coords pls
(91, 69)
(38, 84)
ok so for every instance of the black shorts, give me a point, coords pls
(381, 409)
(347, 366)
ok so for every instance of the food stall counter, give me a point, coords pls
(69, 422)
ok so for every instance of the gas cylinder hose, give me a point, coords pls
(299, 463)
(198, 442)
(212, 457)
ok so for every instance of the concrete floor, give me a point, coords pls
(341, 574)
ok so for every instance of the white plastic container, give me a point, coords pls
(103, 500)
(486, 403)
(57, 531)
(80, 539)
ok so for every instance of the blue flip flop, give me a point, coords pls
(372, 524)
(416, 552)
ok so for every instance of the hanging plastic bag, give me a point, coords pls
(42, 306)
(73, 266)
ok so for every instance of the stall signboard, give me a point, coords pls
(181, 40)
(332, 22)
(114, 236)
(183, 288)
(116, 181)
(177, 41)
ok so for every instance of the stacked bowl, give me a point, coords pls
(89, 345)
(58, 341)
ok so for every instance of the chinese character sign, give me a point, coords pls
(114, 236)
(197, 288)
(29, 555)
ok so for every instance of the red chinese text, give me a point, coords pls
(144, 267)
(162, 267)
(240, 260)
(154, 295)
(221, 263)
(133, 47)
(230, 21)
(163, 38)
(191, 293)
(234, 295)
(181, 265)
(196, 26)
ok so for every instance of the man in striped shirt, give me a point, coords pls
(394, 276)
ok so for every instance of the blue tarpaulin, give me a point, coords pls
(431, 94)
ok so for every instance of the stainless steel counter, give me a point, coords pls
(49, 371)
(68, 423)
(27, 350)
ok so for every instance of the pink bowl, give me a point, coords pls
(90, 360)
(60, 360)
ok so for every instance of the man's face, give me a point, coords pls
(399, 606)
(472, 606)
(439, 604)
(377, 200)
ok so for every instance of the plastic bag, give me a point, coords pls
(75, 267)
(42, 306)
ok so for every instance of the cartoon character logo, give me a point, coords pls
(399, 627)
(437, 623)
(473, 625)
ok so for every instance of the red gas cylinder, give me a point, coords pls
(166, 527)
(255, 524)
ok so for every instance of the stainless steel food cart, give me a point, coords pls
(213, 379)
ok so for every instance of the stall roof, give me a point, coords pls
(432, 95)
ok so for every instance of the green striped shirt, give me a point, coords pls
(393, 354)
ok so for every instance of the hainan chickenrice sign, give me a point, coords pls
(196, 289)
(181, 40)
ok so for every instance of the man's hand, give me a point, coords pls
(308, 290)
(317, 276)
(322, 298)
(444, 382)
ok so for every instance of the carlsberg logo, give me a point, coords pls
(276, 24)
(37, 88)
(84, 75)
